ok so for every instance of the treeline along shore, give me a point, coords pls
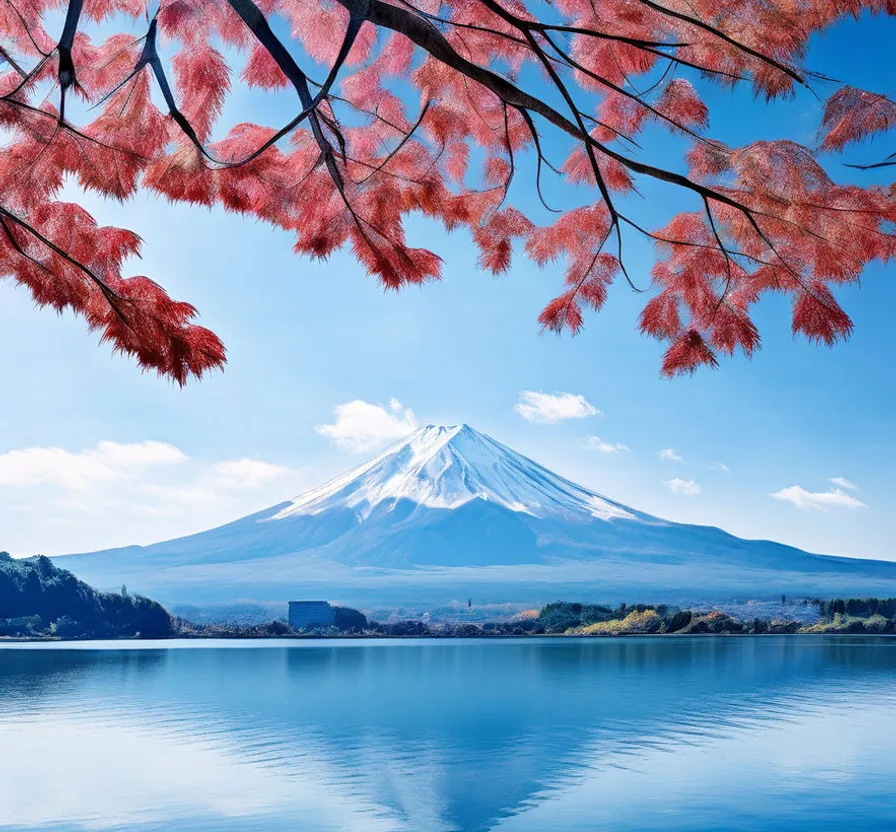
(39, 601)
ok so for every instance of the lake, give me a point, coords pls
(544, 735)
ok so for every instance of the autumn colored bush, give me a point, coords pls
(648, 621)
(410, 94)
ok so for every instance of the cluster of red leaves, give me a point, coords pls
(55, 248)
(348, 173)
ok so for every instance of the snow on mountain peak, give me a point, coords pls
(447, 466)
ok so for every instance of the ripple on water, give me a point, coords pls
(749, 734)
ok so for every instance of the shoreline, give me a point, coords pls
(4, 640)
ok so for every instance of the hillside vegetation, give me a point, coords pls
(853, 615)
(644, 619)
(39, 599)
(856, 615)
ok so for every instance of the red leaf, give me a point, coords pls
(732, 329)
(851, 114)
(818, 316)
(660, 317)
(687, 354)
(561, 313)
(203, 79)
(495, 238)
(680, 103)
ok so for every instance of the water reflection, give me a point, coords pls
(758, 733)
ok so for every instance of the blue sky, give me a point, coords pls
(94, 454)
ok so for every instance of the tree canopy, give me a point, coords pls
(37, 597)
(413, 92)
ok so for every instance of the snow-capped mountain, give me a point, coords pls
(446, 467)
(450, 512)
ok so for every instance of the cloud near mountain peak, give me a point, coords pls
(547, 408)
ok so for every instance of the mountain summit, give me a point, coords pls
(449, 512)
(445, 467)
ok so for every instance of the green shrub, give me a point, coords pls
(349, 620)
(678, 621)
(876, 624)
(783, 627)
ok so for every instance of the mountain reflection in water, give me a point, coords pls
(690, 734)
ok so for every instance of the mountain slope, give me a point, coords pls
(451, 511)
(446, 467)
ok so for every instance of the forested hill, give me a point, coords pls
(38, 598)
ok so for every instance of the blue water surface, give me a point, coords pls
(544, 735)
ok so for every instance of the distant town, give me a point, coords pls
(38, 600)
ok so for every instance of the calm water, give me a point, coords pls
(541, 735)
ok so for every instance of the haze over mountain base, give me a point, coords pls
(451, 513)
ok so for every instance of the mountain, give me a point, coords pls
(450, 513)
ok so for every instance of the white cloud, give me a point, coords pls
(687, 487)
(670, 455)
(56, 501)
(841, 482)
(720, 466)
(547, 408)
(595, 443)
(245, 473)
(81, 470)
(361, 427)
(807, 500)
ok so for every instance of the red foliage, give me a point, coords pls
(424, 106)
(687, 353)
(680, 104)
(850, 115)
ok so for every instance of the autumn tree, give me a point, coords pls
(412, 91)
